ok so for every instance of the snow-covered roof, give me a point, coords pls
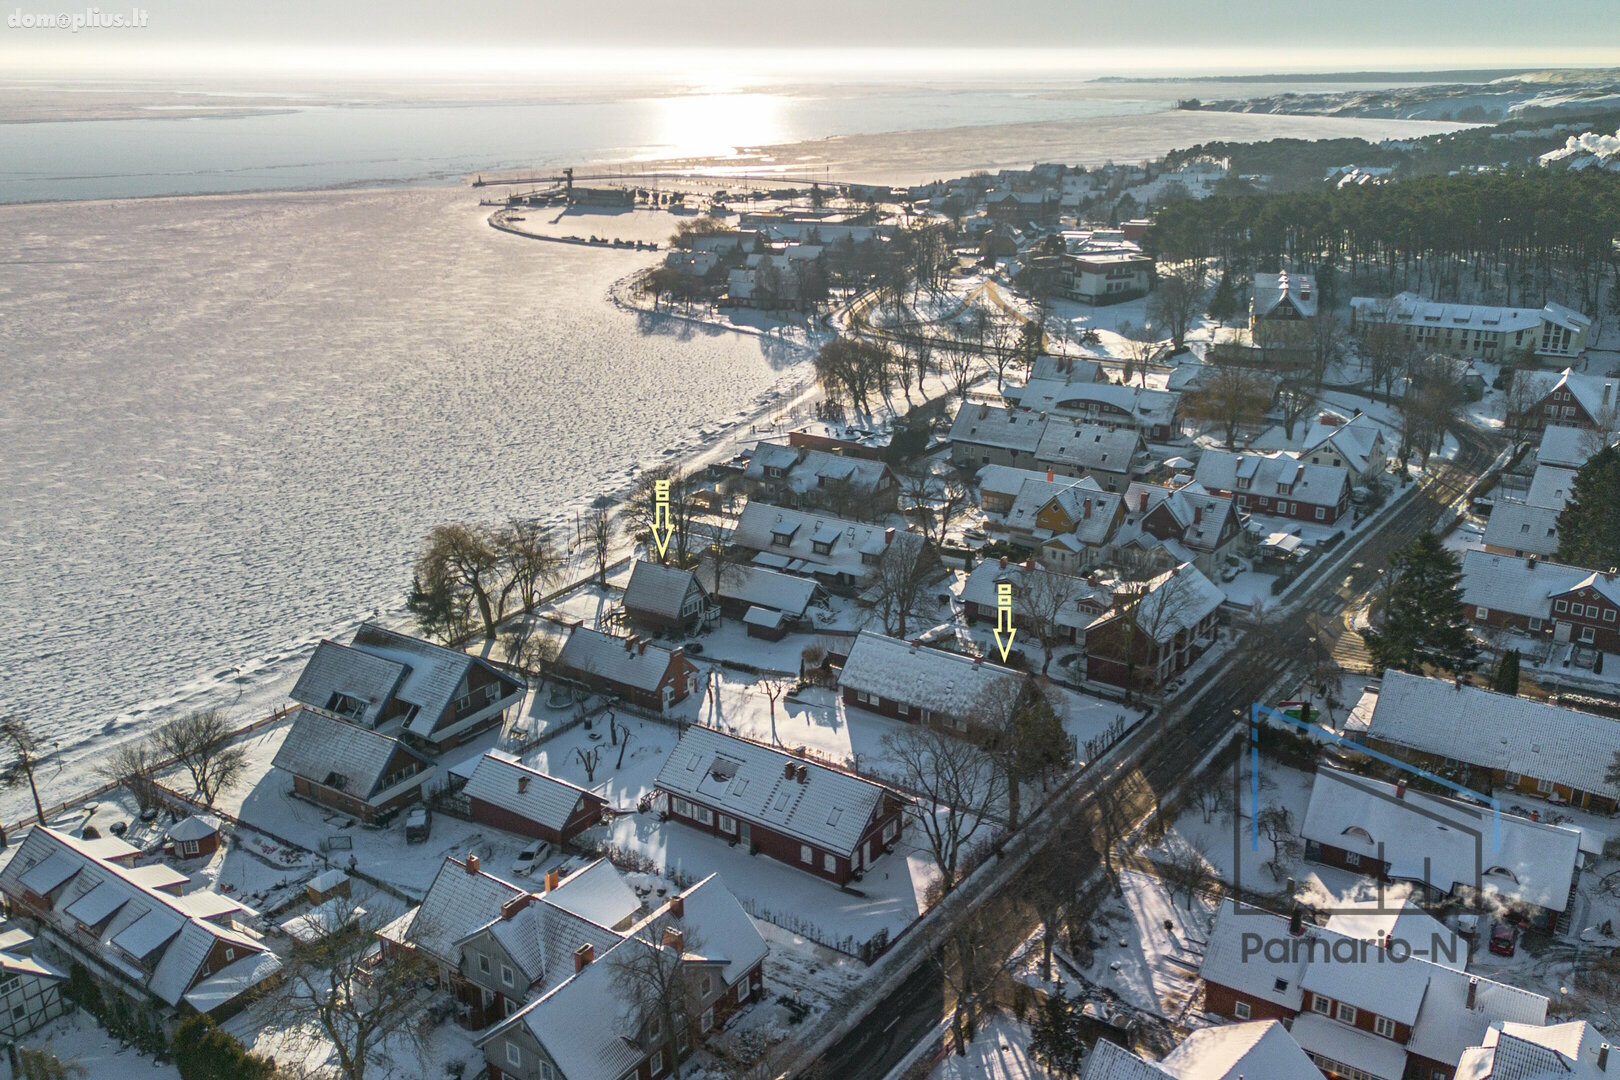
(459, 901)
(1298, 290)
(1564, 447)
(808, 469)
(1198, 513)
(336, 754)
(1144, 406)
(716, 926)
(195, 827)
(1262, 1049)
(1409, 309)
(1521, 527)
(434, 675)
(1357, 440)
(998, 426)
(624, 661)
(1176, 600)
(1373, 920)
(658, 589)
(356, 674)
(945, 683)
(1447, 1027)
(1110, 1061)
(1443, 842)
(1510, 583)
(131, 917)
(1500, 731)
(830, 808)
(1091, 447)
(1005, 481)
(1082, 600)
(1092, 510)
(1551, 486)
(1527, 1051)
(1269, 975)
(757, 586)
(597, 892)
(525, 792)
(1363, 1050)
(852, 543)
(1320, 485)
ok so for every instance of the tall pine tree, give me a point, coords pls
(1223, 305)
(1589, 527)
(1423, 622)
(1507, 674)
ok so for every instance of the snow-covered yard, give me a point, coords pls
(77, 1040)
(1000, 1051)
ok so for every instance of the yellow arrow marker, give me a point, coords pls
(1004, 618)
(661, 517)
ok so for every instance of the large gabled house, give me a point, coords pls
(351, 768)
(1278, 485)
(920, 684)
(985, 434)
(1281, 305)
(1353, 1010)
(1445, 846)
(1476, 331)
(1571, 1051)
(802, 476)
(1356, 445)
(665, 599)
(1166, 526)
(837, 552)
(1154, 631)
(1155, 414)
(1569, 399)
(823, 821)
(649, 676)
(136, 926)
(769, 603)
(510, 795)
(430, 696)
(1569, 604)
(1069, 524)
(1505, 744)
(588, 1028)
(1521, 529)
(1261, 1050)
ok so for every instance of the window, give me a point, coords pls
(682, 1041)
(658, 1063)
(1351, 858)
(1240, 1010)
(1347, 1013)
(1484, 613)
(891, 830)
(1544, 787)
(514, 1055)
(806, 856)
(728, 824)
(1535, 624)
(655, 1028)
(506, 974)
(1280, 986)
(703, 814)
(1608, 616)
(508, 1007)
(743, 990)
(1383, 1025)
(483, 964)
(830, 864)
(546, 1072)
(1321, 1005)
(18, 1011)
(706, 1021)
(1511, 778)
(230, 954)
(1588, 635)
(1321, 514)
(1560, 605)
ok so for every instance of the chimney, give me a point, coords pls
(1530, 561)
(523, 784)
(472, 865)
(1296, 921)
(1400, 789)
(677, 906)
(1198, 515)
(787, 770)
(1004, 562)
(1603, 1058)
(641, 648)
(1142, 502)
(888, 536)
(553, 878)
(630, 643)
(583, 957)
(515, 905)
(802, 774)
(674, 938)
(1049, 475)
(1473, 990)
(1088, 508)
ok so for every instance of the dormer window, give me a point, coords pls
(781, 539)
(1243, 483)
(822, 547)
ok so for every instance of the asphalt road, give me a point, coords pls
(908, 1014)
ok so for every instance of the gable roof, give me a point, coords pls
(528, 793)
(1144, 406)
(1092, 447)
(336, 754)
(1295, 289)
(1355, 439)
(1552, 485)
(1198, 513)
(807, 468)
(1563, 447)
(1176, 600)
(623, 661)
(1510, 583)
(658, 589)
(1519, 526)
(946, 683)
(999, 426)
(459, 902)
(1083, 600)
(355, 673)
(757, 586)
(1444, 843)
(1500, 731)
(1236, 1051)
(1321, 485)
(830, 809)
(1520, 1051)
(851, 541)
(434, 674)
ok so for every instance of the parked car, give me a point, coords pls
(530, 858)
(1504, 938)
(418, 823)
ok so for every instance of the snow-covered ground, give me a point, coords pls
(1000, 1051)
(76, 1039)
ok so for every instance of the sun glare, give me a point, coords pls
(715, 125)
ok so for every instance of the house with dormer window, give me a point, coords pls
(1277, 485)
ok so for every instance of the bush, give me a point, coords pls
(203, 1052)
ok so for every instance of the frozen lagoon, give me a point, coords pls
(227, 422)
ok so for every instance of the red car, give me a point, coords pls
(1504, 938)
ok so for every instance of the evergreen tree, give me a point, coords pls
(1589, 527)
(1507, 674)
(1223, 305)
(1055, 1040)
(1423, 618)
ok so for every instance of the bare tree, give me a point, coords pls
(902, 578)
(932, 501)
(653, 979)
(1211, 793)
(1148, 618)
(1384, 347)
(201, 742)
(588, 760)
(1326, 342)
(774, 687)
(958, 785)
(18, 739)
(1185, 868)
(458, 570)
(1231, 397)
(958, 360)
(530, 560)
(1015, 724)
(640, 512)
(133, 766)
(1175, 302)
(339, 990)
(1141, 346)
(1276, 824)
(599, 537)
(973, 964)
(1042, 598)
(1296, 394)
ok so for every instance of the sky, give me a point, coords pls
(761, 37)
